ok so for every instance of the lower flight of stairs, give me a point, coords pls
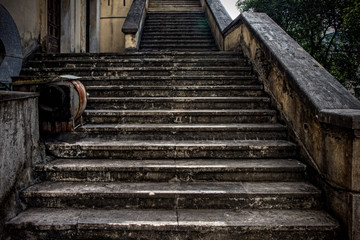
(178, 145)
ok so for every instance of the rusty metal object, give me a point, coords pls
(62, 100)
(80, 99)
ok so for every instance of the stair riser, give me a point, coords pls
(175, 93)
(171, 153)
(92, 118)
(195, 28)
(185, 135)
(92, 231)
(165, 63)
(137, 55)
(176, 105)
(177, 46)
(178, 37)
(197, 42)
(153, 22)
(142, 175)
(123, 73)
(175, 16)
(177, 201)
(177, 34)
(170, 81)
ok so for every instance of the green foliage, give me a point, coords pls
(329, 30)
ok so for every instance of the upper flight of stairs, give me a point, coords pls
(177, 145)
(177, 31)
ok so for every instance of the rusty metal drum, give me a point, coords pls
(63, 100)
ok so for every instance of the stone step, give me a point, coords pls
(170, 132)
(149, 36)
(137, 55)
(147, 62)
(196, 80)
(174, 9)
(223, 149)
(181, 116)
(174, 21)
(176, 34)
(49, 223)
(200, 27)
(176, 91)
(163, 195)
(153, 16)
(174, 48)
(157, 103)
(174, 3)
(139, 71)
(175, 170)
(182, 4)
(174, 14)
(203, 41)
(172, 45)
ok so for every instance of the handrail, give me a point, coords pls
(220, 14)
(218, 19)
(133, 24)
(317, 87)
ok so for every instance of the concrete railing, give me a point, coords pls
(323, 117)
(19, 126)
(218, 19)
(133, 24)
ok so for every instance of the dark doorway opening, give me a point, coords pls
(54, 26)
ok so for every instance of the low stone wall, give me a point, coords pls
(19, 148)
(323, 116)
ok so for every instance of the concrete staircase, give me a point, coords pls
(177, 145)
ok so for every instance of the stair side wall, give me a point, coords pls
(323, 116)
(20, 149)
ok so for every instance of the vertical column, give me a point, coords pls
(73, 26)
(94, 28)
(67, 28)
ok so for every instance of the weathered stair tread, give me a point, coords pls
(165, 170)
(179, 99)
(156, 149)
(175, 220)
(195, 78)
(136, 54)
(184, 127)
(177, 165)
(174, 88)
(182, 111)
(98, 143)
(173, 189)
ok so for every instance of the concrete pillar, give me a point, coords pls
(67, 28)
(94, 28)
(73, 26)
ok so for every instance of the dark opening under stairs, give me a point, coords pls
(180, 143)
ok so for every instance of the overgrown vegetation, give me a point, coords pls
(329, 30)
